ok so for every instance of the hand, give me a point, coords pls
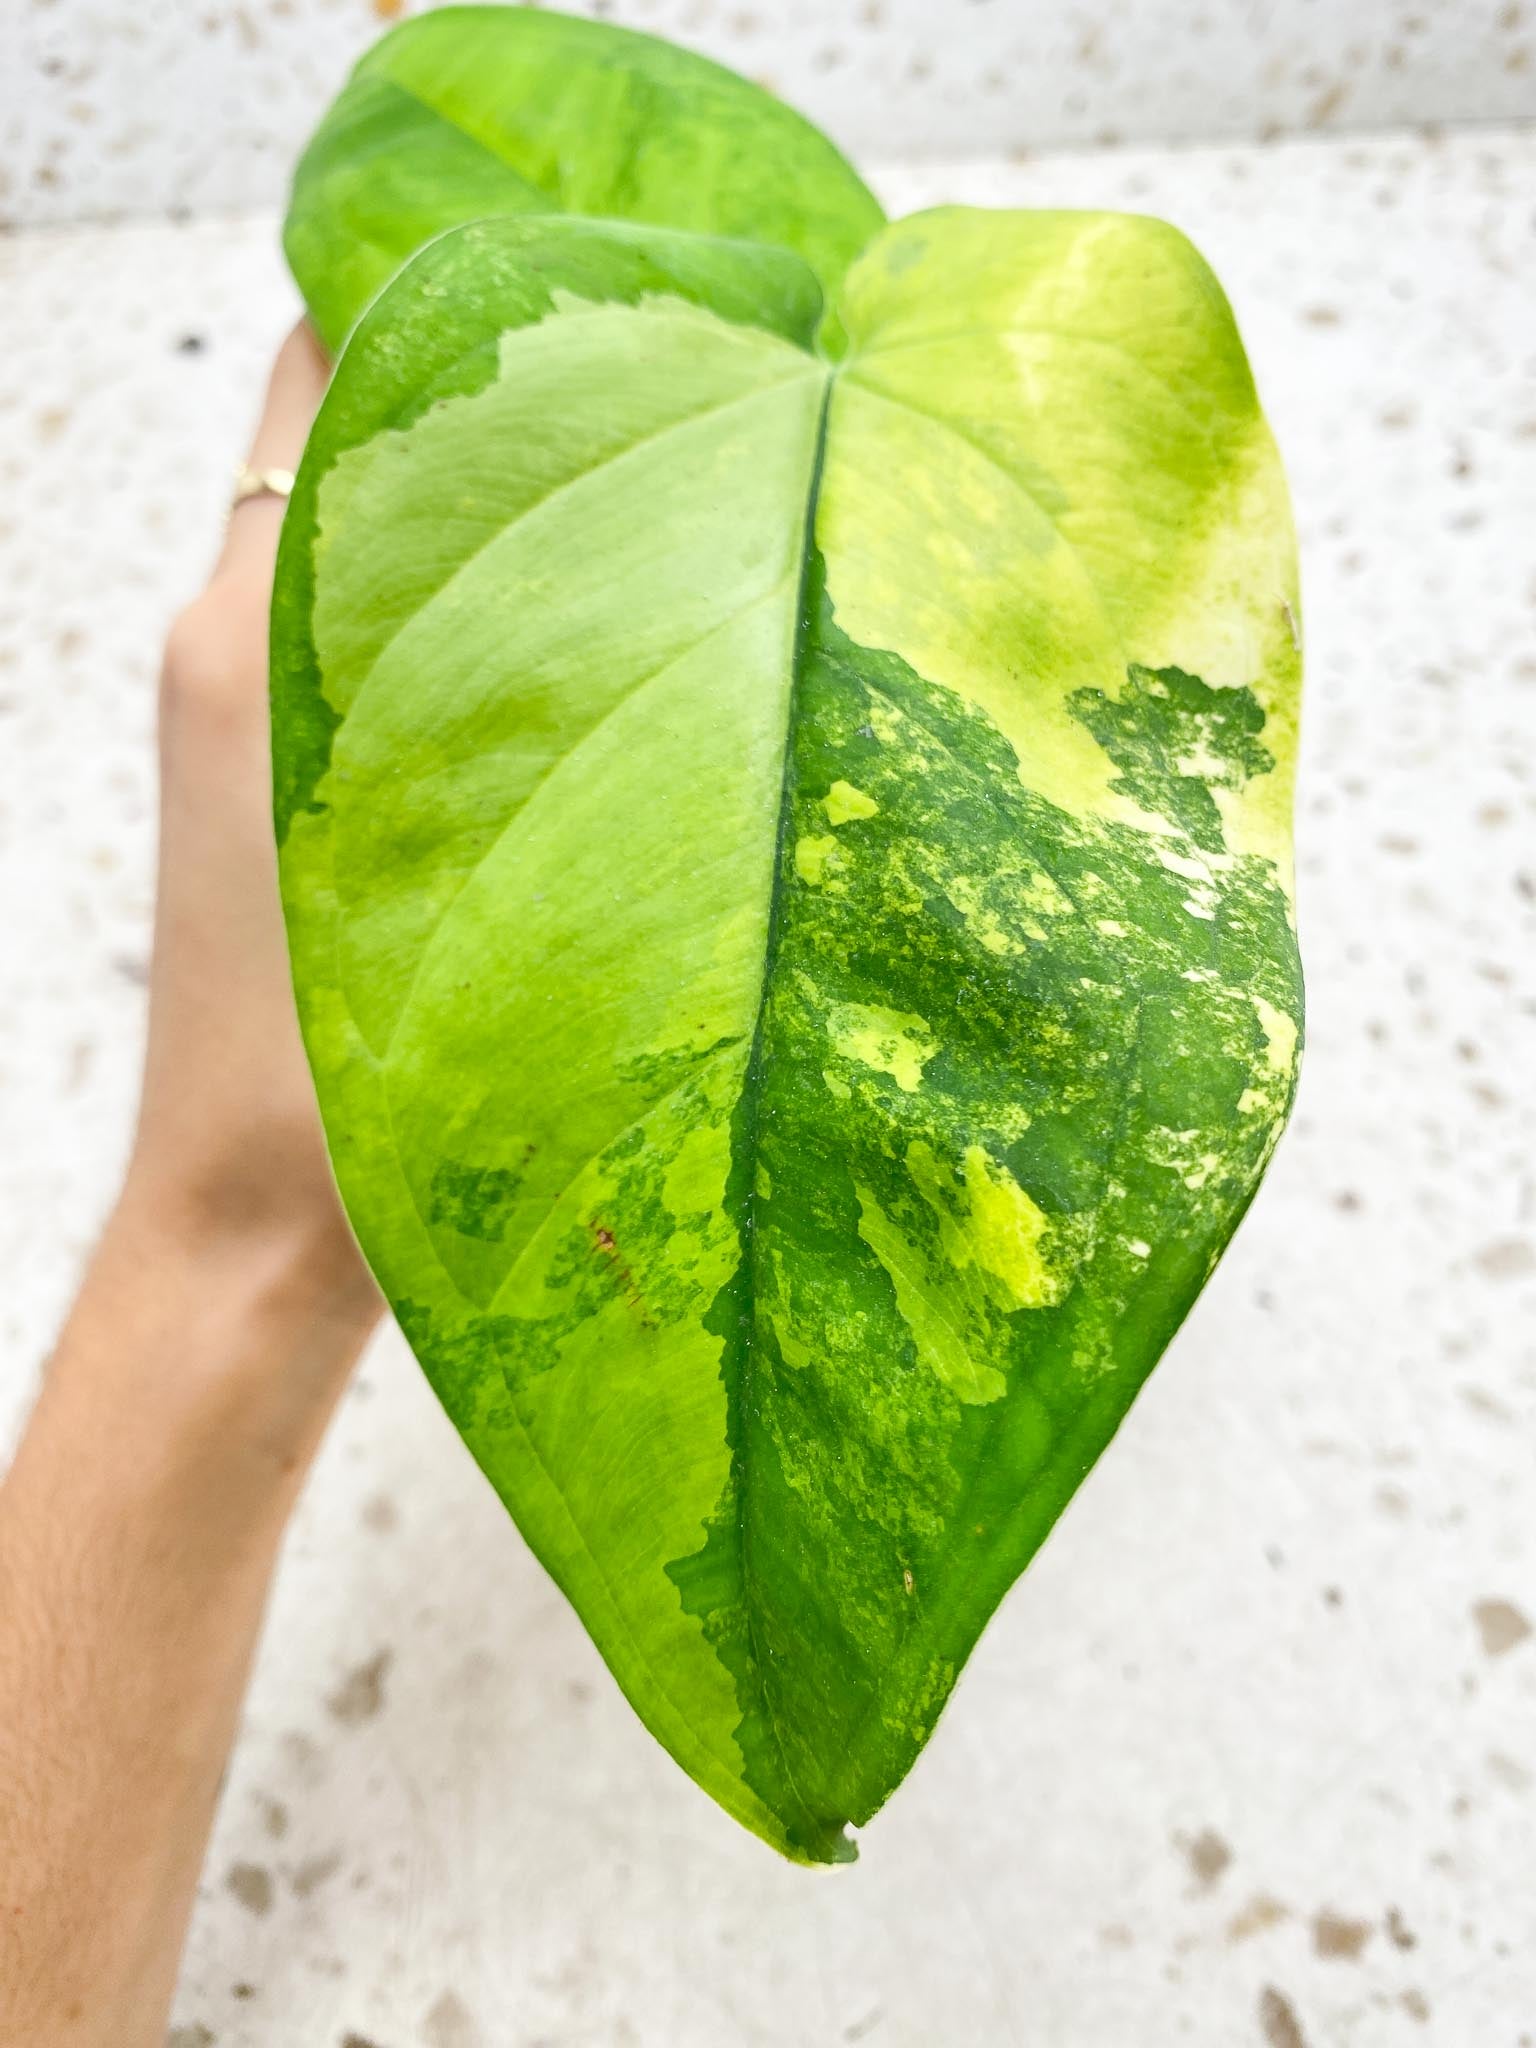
(212, 1335)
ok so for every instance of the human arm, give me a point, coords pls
(213, 1332)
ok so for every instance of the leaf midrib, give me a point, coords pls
(752, 1083)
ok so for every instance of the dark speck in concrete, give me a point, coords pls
(1207, 1855)
(380, 1514)
(1339, 1939)
(194, 2036)
(1481, 1402)
(1509, 1258)
(1277, 2016)
(191, 345)
(1501, 1625)
(304, 1755)
(450, 2024)
(360, 1694)
(252, 1886)
(1399, 1933)
(314, 1871)
(274, 1816)
(1257, 1917)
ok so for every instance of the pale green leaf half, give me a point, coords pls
(787, 868)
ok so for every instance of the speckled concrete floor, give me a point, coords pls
(1251, 1755)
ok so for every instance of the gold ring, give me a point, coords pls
(260, 483)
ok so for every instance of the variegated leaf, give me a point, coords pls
(785, 840)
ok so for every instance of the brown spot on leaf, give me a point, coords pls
(1277, 2016)
(607, 1244)
(195, 2036)
(251, 1884)
(1416, 2005)
(1339, 1939)
(1501, 1625)
(360, 1694)
(381, 1514)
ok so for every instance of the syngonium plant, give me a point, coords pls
(783, 734)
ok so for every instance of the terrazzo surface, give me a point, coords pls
(109, 109)
(1250, 1756)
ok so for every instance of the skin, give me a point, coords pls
(214, 1330)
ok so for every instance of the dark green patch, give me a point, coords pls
(1174, 740)
(467, 1361)
(658, 1073)
(476, 1201)
(873, 1517)
(1059, 1162)
(624, 1242)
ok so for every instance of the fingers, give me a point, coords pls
(294, 392)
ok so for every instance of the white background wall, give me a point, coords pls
(109, 108)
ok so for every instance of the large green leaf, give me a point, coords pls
(470, 112)
(787, 868)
